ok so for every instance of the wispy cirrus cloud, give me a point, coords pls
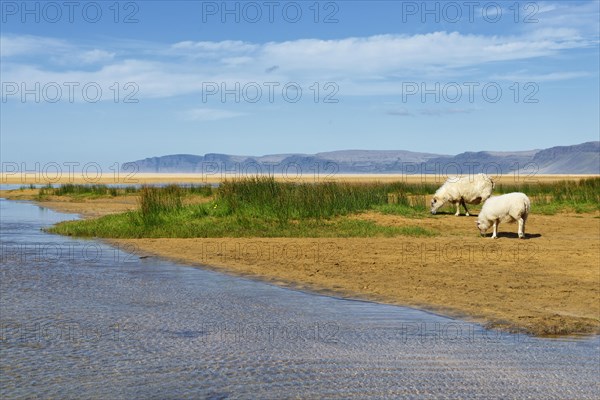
(372, 65)
(581, 16)
(393, 53)
(203, 48)
(19, 45)
(27, 48)
(524, 76)
(95, 56)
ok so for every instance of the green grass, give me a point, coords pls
(97, 191)
(285, 201)
(417, 211)
(263, 207)
(82, 191)
(581, 196)
(30, 186)
(265, 197)
(200, 221)
(254, 207)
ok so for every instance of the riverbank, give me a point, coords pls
(546, 285)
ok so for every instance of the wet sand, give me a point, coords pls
(546, 285)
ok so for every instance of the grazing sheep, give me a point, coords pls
(509, 207)
(472, 189)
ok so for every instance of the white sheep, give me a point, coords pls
(472, 189)
(509, 207)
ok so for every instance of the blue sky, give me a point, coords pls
(116, 81)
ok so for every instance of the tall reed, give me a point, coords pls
(569, 193)
(258, 196)
(154, 201)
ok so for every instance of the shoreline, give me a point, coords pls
(551, 324)
(406, 271)
(446, 312)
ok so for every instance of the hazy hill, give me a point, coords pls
(577, 159)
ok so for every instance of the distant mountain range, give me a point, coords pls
(582, 158)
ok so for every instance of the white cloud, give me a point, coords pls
(230, 49)
(523, 76)
(580, 16)
(96, 56)
(374, 65)
(12, 45)
(388, 53)
(57, 51)
(225, 45)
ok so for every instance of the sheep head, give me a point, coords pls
(483, 226)
(436, 203)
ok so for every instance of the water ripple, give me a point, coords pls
(114, 326)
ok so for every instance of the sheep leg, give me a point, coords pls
(521, 228)
(462, 201)
(494, 235)
(457, 209)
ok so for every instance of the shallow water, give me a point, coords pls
(80, 319)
